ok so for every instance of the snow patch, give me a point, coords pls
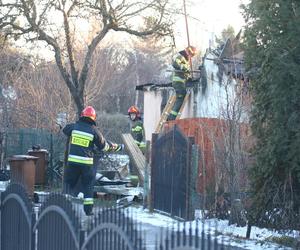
(229, 234)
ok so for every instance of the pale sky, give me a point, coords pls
(208, 17)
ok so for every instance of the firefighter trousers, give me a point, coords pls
(180, 91)
(80, 178)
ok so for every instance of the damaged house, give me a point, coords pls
(216, 117)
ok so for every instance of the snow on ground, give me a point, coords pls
(232, 235)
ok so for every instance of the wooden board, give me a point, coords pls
(136, 156)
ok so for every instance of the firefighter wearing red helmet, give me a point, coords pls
(137, 128)
(89, 112)
(180, 76)
(83, 137)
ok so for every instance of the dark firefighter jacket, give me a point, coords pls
(83, 137)
(181, 66)
(137, 132)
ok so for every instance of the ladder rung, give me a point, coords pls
(166, 112)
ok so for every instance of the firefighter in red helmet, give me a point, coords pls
(89, 112)
(180, 76)
(137, 128)
(83, 137)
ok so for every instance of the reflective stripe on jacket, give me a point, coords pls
(182, 67)
(81, 160)
(83, 137)
(137, 130)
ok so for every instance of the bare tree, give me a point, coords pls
(11, 65)
(117, 70)
(107, 73)
(32, 95)
(56, 23)
(40, 97)
(40, 94)
(232, 151)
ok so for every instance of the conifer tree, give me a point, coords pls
(272, 53)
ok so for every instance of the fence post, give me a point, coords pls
(189, 165)
(50, 172)
(195, 197)
(33, 233)
(2, 135)
(152, 170)
(22, 141)
(81, 237)
(4, 153)
(1, 193)
(146, 181)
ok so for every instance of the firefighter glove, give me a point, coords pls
(117, 147)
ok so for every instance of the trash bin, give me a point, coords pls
(41, 165)
(22, 168)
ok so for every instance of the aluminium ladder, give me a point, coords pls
(168, 108)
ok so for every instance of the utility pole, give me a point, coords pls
(187, 35)
(137, 78)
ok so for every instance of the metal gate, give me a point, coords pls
(171, 158)
(191, 238)
(16, 219)
(111, 229)
(57, 226)
(58, 223)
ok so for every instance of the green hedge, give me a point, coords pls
(113, 126)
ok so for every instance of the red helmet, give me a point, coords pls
(89, 112)
(134, 110)
(191, 50)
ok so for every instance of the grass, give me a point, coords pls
(284, 241)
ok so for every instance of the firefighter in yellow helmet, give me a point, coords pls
(180, 76)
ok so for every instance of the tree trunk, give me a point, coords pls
(79, 102)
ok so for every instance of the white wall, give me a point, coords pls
(152, 102)
(213, 102)
(210, 104)
(152, 107)
(188, 110)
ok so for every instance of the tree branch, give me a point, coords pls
(32, 19)
(137, 33)
(69, 45)
(88, 57)
(43, 36)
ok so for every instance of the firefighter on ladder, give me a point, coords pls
(83, 136)
(181, 74)
(137, 128)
